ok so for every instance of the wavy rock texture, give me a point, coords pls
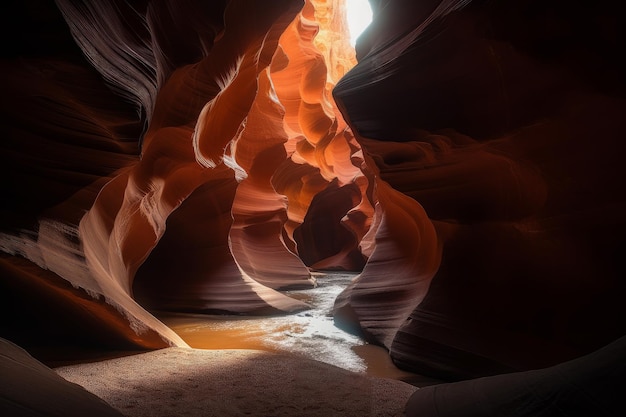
(69, 135)
(505, 122)
(260, 212)
(320, 145)
(182, 161)
(191, 156)
(192, 140)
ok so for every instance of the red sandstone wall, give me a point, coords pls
(505, 122)
(190, 156)
(186, 144)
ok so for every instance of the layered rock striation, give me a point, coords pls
(176, 152)
(505, 122)
(201, 161)
(204, 156)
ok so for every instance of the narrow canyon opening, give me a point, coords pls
(321, 38)
(448, 187)
(358, 17)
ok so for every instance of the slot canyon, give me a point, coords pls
(463, 161)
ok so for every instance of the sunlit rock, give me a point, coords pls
(320, 145)
(184, 160)
(191, 140)
(259, 211)
(192, 157)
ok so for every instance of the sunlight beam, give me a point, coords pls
(359, 16)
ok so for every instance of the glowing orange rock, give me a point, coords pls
(180, 179)
(320, 146)
(259, 212)
(182, 162)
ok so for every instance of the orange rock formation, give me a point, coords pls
(241, 134)
(203, 156)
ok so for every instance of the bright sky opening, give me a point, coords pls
(359, 15)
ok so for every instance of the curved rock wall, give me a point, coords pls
(194, 156)
(505, 121)
(207, 130)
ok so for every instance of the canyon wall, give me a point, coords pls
(167, 156)
(204, 156)
(505, 122)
